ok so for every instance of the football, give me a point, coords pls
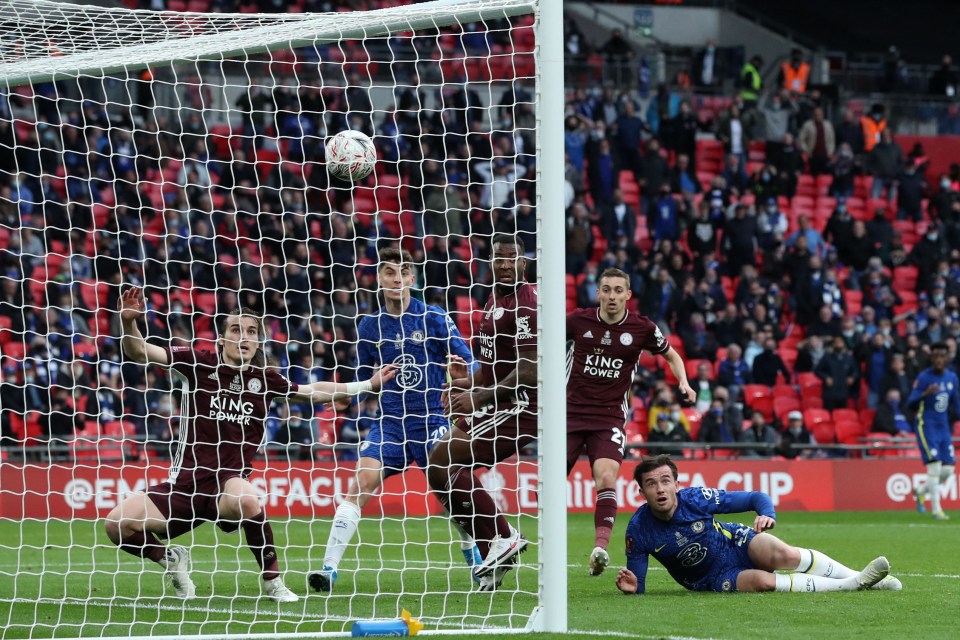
(350, 155)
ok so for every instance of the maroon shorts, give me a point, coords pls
(599, 438)
(495, 437)
(185, 505)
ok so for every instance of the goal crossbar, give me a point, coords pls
(145, 35)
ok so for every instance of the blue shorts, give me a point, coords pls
(733, 559)
(936, 446)
(397, 446)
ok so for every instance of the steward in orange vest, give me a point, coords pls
(795, 73)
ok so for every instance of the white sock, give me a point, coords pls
(342, 530)
(814, 563)
(933, 485)
(947, 470)
(466, 540)
(806, 583)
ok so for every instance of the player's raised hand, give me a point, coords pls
(386, 373)
(456, 367)
(131, 304)
(627, 582)
(687, 392)
(932, 389)
(763, 523)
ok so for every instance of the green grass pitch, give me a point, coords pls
(59, 579)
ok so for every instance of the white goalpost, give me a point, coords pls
(182, 152)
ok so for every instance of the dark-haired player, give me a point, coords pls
(934, 390)
(225, 397)
(496, 410)
(677, 527)
(604, 347)
(417, 339)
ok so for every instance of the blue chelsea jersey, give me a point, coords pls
(418, 342)
(933, 410)
(692, 544)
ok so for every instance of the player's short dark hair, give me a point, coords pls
(396, 256)
(613, 272)
(260, 357)
(653, 463)
(506, 238)
(939, 346)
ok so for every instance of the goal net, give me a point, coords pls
(182, 152)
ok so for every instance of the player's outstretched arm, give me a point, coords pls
(132, 307)
(321, 392)
(680, 371)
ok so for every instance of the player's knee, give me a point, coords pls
(112, 526)
(606, 481)
(249, 506)
(786, 556)
(438, 477)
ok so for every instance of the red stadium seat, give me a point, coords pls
(849, 431)
(785, 391)
(694, 419)
(760, 398)
(845, 415)
(784, 405)
(814, 417)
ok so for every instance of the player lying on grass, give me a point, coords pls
(677, 527)
(225, 397)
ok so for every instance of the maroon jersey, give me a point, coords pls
(507, 333)
(601, 359)
(221, 415)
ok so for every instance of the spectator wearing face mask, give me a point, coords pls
(890, 416)
(839, 227)
(795, 433)
(844, 168)
(885, 162)
(926, 254)
(761, 432)
(840, 376)
(777, 110)
(665, 429)
(896, 378)
(772, 223)
(714, 427)
(768, 365)
(733, 372)
(911, 190)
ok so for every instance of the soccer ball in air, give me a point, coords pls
(350, 155)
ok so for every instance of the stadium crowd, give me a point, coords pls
(799, 265)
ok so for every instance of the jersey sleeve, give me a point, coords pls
(916, 394)
(637, 560)
(277, 384)
(652, 338)
(454, 343)
(719, 501)
(526, 319)
(366, 349)
(184, 360)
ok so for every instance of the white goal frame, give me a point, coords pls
(551, 614)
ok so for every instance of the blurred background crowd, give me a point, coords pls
(796, 254)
